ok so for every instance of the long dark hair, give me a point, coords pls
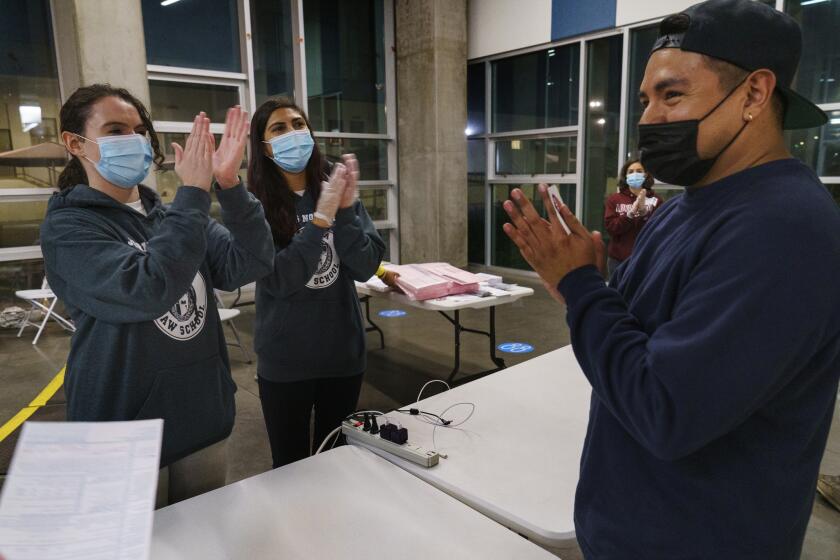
(267, 182)
(74, 115)
(622, 176)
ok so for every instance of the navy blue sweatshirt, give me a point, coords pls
(714, 359)
(309, 322)
(148, 341)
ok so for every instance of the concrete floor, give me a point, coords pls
(419, 348)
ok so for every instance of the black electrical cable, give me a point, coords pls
(416, 412)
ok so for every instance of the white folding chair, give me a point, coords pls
(226, 316)
(43, 300)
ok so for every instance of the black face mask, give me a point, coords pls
(669, 150)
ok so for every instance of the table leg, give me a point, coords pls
(456, 324)
(373, 326)
(496, 360)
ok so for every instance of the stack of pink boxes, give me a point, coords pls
(433, 280)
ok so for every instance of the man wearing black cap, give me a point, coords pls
(714, 353)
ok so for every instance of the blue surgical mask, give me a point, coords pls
(291, 151)
(124, 160)
(635, 180)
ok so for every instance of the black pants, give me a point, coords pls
(287, 408)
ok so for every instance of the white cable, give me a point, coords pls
(472, 411)
(420, 394)
(437, 424)
(326, 439)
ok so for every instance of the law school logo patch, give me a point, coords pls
(187, 317)
(327, 272)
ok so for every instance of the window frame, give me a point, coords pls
(244, 81)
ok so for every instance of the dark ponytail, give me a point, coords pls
(267, 182)
(74, 115)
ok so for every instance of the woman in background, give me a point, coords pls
(627, 211)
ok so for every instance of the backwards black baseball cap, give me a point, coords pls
(752, 36)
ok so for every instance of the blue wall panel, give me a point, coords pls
(575, 17)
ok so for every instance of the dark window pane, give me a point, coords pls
(819, 147)
(536, 90)
(385, 234)
(503, 250)
(271, 29)
(345, 65)
(834, 190)
(376, 203)
(193, 34)
(181, 101)
(818, 78)
(29, 100)
(475, 99)
(603, 105)
(372, 155)
(641, 41)
(539, 156)
(476, 177)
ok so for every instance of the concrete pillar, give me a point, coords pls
(431, 45)
(101, 41)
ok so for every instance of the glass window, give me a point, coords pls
(536, 90)
(345, 65)
(503, 250)
(385, 234)
(271, 32)
(181, 101)
(819, 147)
(540, 156)
(641, 41)
(193, 34)
(475, 99)
(476, 178)
(376, 203)
(372, 155)
(603, 107)
(29, 102)
(818, 78)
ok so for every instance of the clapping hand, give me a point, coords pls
(228, 158)
(332, 192)
(351, 189)
(639, 207)
(194, 162)
(546, 246)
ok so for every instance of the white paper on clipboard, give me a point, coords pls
(81, 490)
(556, 202)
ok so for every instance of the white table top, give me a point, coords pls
(345, 503)
(449, 303)
(517, 460)
(9, 254)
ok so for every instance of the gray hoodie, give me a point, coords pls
(148, 341)
(309, 323)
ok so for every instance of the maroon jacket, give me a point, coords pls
(623, 230)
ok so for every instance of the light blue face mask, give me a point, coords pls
(292, 150)
(124, 160)
(635, 180)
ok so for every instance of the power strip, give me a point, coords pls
(407, 451)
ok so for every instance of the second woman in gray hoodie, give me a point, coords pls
(309, 336)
